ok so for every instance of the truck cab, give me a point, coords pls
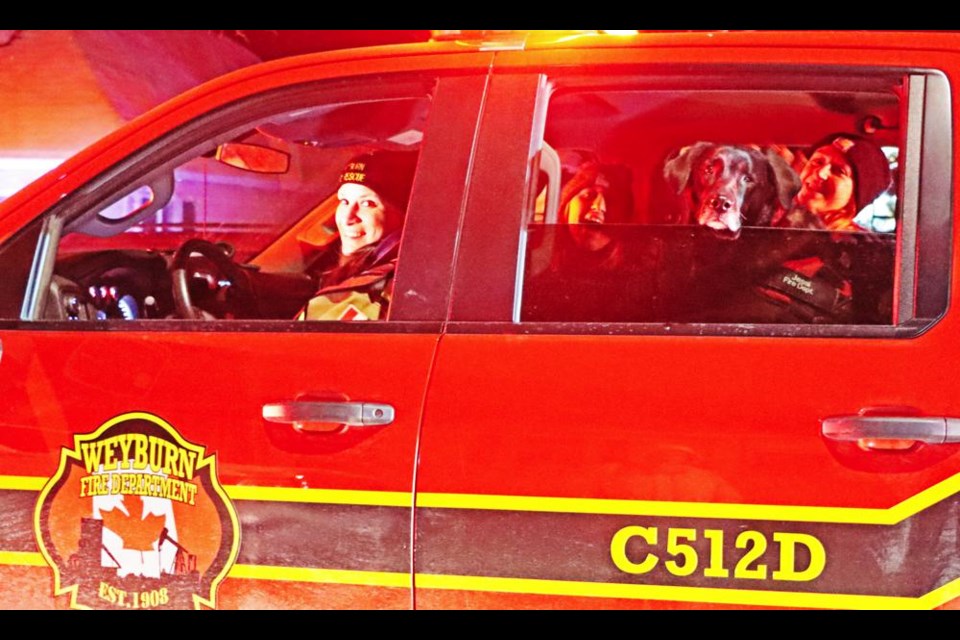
(642, 407)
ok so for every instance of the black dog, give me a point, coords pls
(726, 187)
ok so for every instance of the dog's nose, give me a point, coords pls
(720, 204)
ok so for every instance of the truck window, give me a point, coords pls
(719, 206)
(297, 214)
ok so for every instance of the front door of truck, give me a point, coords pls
(180, 440)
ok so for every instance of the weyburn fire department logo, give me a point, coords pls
(135, 518)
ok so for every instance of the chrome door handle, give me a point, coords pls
(354, 414)
(927, 429)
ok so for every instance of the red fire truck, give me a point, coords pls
(649, 408)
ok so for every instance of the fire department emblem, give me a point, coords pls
(135, 518)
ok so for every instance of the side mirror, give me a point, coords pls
(252, 157)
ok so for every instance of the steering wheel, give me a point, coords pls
(238, 295)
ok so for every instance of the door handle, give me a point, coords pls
(305, 415)
(926, 429)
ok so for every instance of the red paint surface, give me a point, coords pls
(730, 420)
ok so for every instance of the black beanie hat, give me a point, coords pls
(871, 169)
(388, 173)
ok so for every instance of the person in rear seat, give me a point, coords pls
(593, 194)
(844, 174)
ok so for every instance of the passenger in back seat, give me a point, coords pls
(593, 194)
(844, 174)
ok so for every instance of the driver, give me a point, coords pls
(355, 272)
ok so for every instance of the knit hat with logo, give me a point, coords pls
(871, 169)
(388, 173)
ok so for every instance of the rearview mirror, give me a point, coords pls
(255, 158)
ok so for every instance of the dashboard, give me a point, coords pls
(137, 285)
(113, 284)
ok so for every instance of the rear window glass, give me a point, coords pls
(717, 206)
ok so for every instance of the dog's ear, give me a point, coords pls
(786, 179)
(677, 168)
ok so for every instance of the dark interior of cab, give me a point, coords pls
(155, 260)
(687, 274)
(642, 266)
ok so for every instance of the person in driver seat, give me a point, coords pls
(355, 273)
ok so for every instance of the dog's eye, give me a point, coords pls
(747, 179)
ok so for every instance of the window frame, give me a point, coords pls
(453, 96)
(922, 284)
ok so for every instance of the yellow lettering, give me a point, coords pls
(756, 545)
(170, 458)
(188, 461)
(92, 454)
(124, 442)
(140, 457)
(95, 485)
(111, 594)
(156, 448)
(675, 548)
(109, 462)
(715, 569)
(173, 490)
(618, 549)
(788, 557)
(154, 485)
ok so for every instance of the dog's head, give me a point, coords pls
(726, 187)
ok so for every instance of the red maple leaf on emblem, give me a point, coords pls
(137, 531)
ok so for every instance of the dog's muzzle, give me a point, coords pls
(721, 214)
